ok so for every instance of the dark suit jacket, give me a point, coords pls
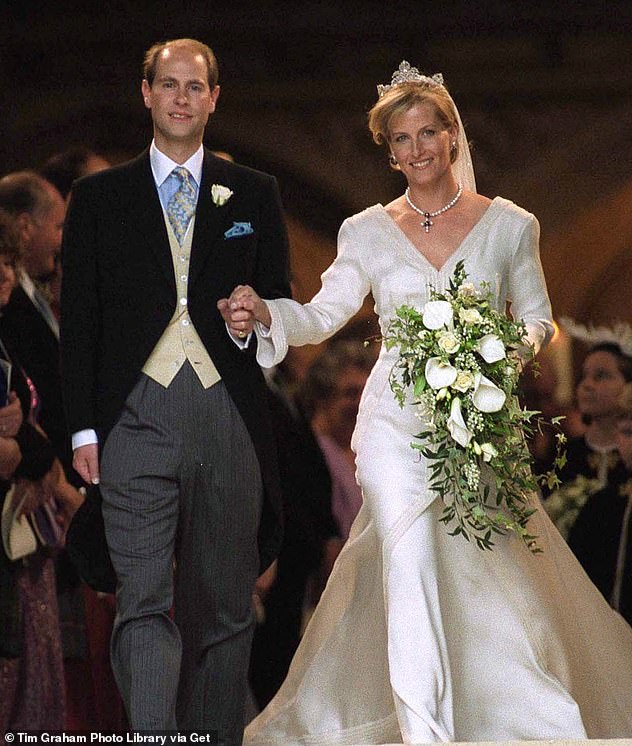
(119, 294)
(31, 340)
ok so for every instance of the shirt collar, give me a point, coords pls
(162, 165)
(27, 284)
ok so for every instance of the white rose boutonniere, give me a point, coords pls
(220, 194)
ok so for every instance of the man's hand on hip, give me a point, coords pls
(86, 462)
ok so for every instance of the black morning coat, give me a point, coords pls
(119, 294)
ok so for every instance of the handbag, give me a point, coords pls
(43, 520)
(18, 538)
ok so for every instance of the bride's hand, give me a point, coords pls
(244, 298)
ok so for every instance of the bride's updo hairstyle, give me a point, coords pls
(402, 97)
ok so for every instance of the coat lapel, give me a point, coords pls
(147, 215)
(210, 219)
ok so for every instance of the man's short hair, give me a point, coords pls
(151, 58)
(25, 191)
(9, 237)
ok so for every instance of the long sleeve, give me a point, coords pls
(80, 310)
(345, 284)
(527, 287)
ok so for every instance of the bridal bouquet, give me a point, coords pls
(462, 359)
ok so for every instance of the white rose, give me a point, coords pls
(220, 194)
(488, 451)
(470, 316)
(487, 397)
(464, 381)
(439, 375)
(448, 342)
(437, 314)
(467, 289)
(491, 348)
(456, 424)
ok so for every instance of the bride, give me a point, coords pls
(420, 636)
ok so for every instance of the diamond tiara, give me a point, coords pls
(407, 74)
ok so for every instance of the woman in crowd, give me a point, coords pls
(330, 396)
(421, 636)
(605, 371)
(601, 537)
(31, 666)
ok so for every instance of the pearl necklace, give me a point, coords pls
(427, 215)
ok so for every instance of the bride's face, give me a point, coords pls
(421, 144)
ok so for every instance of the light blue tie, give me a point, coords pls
(181, 206)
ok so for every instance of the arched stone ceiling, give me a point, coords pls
(544, 91)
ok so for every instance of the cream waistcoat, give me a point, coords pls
(180, 341)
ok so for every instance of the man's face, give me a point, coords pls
(339, 412)
(43, 237)
(180, 99)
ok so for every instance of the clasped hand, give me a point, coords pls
(242, 309)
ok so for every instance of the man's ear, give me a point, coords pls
(146, 91)
(25, 226)
(214, 97)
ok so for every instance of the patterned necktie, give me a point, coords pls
(181, 206)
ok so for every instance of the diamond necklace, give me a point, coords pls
(427, 215)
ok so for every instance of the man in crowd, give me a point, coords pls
(28, 321)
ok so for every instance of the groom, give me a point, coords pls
(166, 402)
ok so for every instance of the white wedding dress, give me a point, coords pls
(420, 636)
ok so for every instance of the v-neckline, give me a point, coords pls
(458, 252)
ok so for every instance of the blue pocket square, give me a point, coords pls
(239, 229)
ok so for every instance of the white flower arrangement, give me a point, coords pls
(565, 503)
(220, 194)
(461, 359)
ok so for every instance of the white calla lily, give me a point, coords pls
(438, 314)
(487, 397)
(491, 348)
(456, 424)
(439, 375)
